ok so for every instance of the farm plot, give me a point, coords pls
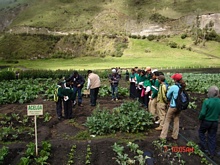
(73, 143)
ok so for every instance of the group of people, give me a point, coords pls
(153, 92)
(69, 88)
(160, 99)
(151, 89)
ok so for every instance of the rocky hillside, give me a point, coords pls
(141, 17)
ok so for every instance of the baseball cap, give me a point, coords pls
(177, 76)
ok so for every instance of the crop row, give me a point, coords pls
(26, 90)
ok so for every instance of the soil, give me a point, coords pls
(59, 133)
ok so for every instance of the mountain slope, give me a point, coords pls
(99, 15)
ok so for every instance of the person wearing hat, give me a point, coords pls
(209, 116)
(114, 81)
(161, 102)
(172, 110)
(94, 85)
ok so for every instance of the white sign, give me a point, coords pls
(33, 110)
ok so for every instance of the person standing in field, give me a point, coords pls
(161, 102)
(66, 93)
(132, 80)
(114, 81)
(172, 110)
(58, 98)
(209, 116)
(94, 85)
(153, 98)
(77, 82)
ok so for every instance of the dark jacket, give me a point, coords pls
(76, 80)
(114, 79)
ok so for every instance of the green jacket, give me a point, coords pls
(65, 92)
(147, 83)
(210, 109)
(155, 88)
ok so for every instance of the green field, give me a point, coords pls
(160, 56)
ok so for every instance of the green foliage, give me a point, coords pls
(129, 117)
(30, 155)
(151, 37)
(7, 75)
(71, 155)
(156, 17)
(25, 46)
(15, 127)
(173, 44)
(25, 90)
(124, 158)
(3, 153)
(183, 36)
(198, 152)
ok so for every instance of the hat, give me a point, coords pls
(177, 77)
(155, 70)
(161, 77)
(113, 70)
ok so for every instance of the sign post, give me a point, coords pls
(34, 110)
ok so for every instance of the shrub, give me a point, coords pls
(151, 37)
(183, 36)
(129, 117)
(173, 44)
(7, 75)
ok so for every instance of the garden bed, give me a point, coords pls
(66, 133)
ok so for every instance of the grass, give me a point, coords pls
(160, 56)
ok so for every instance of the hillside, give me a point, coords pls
(103, 16)
(45, 29)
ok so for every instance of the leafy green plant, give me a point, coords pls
(47, 117)
(88, 154)
(198, 152)
(71, 155)
(123, 158)
(3, 153)
(129, 117)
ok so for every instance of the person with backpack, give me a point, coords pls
(209, 116)
(161, 102)
(172, 112)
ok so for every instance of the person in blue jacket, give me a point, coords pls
(172, 110)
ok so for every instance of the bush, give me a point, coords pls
(129, 117)
(151, 37)
(7, 75)
(183, 36)
(173, 44)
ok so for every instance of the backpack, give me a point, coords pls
(182, 100)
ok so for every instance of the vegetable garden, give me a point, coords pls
(119, 132)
